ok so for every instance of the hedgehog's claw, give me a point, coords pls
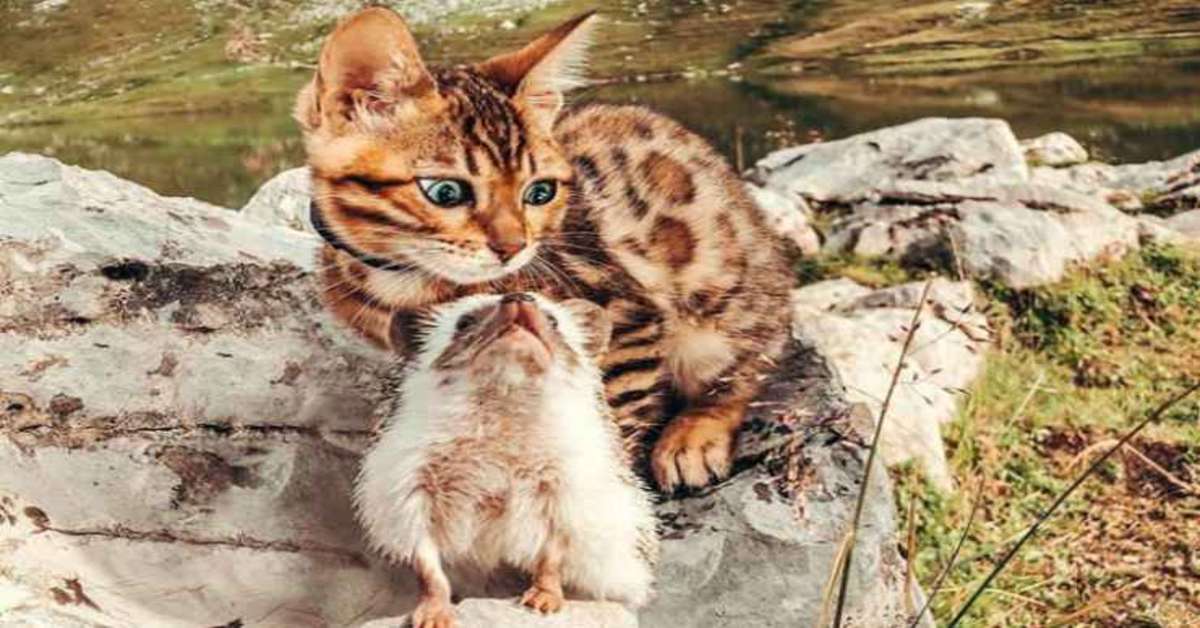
(542, 600)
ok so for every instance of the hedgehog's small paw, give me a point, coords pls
(693, 451)
(433, 614)
(543, 600)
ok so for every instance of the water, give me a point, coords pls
(1137, 111)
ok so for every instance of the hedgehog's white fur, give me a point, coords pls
(596, 502)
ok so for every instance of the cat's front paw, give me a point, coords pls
(542, 600)
(694, 451)
(433, 614)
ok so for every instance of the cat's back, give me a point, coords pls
(667, 206)
(611, 145)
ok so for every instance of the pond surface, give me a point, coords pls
(1124, 112)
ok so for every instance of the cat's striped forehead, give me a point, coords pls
(486, 122)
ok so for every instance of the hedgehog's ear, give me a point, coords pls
(369, 65)
(595, 324)
(538, 75)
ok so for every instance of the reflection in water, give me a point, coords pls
(1125, 113)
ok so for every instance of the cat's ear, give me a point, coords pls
(370, 65)
(539, 74)
(595, 323)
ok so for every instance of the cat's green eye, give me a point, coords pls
(445, 192)
(541, 192)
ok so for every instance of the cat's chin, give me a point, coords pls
(460, 271)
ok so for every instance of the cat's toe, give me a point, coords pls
(692, 452)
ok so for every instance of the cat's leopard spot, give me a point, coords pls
(673, 242)
(668, 178)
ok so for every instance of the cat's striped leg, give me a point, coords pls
(718, 363)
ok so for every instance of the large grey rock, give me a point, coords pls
(1017, 246)
(181, 422)
(932, 149)
(1055, 150)
(862, 336)
(1023, 235)
(1024, 248)
(179, 418)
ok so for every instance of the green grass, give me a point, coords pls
(875, 272)
(1106, 345)
(129, 59)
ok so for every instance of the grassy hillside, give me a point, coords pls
(122, 58)
(934, 36)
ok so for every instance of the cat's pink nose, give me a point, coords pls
(506, 249)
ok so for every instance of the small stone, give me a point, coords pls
(1055, 150)
(1125, 201)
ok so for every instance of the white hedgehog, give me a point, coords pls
(500, 451)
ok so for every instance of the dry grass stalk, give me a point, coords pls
(839, 563)
(950, 564)
(911, 551)
(910, 334)
(1186, 487)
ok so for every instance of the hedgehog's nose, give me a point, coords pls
(517, 297)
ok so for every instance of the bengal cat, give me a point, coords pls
(434, 184)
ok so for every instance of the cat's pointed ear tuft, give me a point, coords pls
(539, 74)
(370, 65)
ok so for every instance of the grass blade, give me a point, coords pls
(976, 502)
